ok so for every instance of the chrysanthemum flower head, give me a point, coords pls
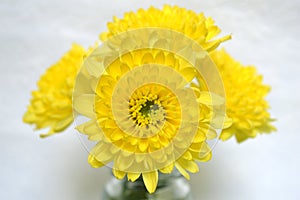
(143, 110)
(195, 26)
(245, 98)
(51, 103)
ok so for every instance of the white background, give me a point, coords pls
(34, 34)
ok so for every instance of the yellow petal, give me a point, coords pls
(63, 124)
(147, 58)
(240, 137)
(123, 162)
(94, 67)
(214, 44)
(84, 84)
(191, 166)
(116, 135)
(187, 155)
(94, 162)
(200, 136)
(226, 134)
(204, 157)
(143, 145)
(227, 122)
(150, 180)
(102, 152)
(118, 174)
(91, 129)
(84, 105)
(168, 169)
(160, 58)
(189, 73)
(209, 98)
(29, 117)
(133, 176)
(208, 131)
(182, 171)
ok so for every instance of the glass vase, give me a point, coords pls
(170, 187)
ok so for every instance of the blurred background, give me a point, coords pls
(34, 34)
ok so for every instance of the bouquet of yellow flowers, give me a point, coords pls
(153, 95)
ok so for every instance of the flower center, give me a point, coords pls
(146, 110)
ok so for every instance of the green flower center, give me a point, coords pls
(146, 110)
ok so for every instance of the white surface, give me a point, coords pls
(34, 34)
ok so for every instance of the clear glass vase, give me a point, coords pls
(170, 187)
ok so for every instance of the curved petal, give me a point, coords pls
(150, 180)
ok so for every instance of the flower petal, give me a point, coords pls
(94, 162)
(118, 174)
(182, 171)
(209, 98)
(150, 180)
(84, 104)
(133, 176)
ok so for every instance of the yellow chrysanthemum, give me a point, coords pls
(145, 114)
(202, 30)
(193, 25)
(51, 104)
(245, 98)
